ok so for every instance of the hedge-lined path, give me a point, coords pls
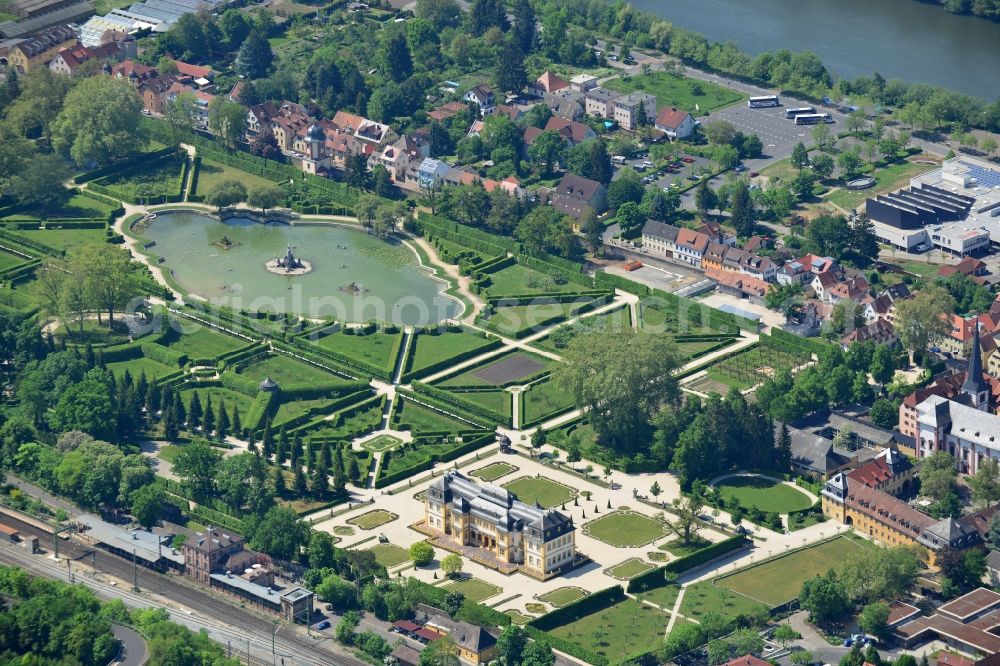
(462, 282)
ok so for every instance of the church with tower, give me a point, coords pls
(963, 425)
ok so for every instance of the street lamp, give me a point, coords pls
(273, 653)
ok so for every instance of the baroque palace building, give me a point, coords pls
(541, 542)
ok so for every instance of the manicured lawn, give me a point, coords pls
(506, 369)
(519, 280)
(287, 370)
(562, 596)
(168, 452)
(428, 350)
(473, 588)
(679, 91)
(708, 597)
(921, 268)
(379, 349)
(71, 240)
(546, 492)
(887, 179)
(353, 426)
(630, 568)
(8, 260)
(409, 415)
(508, 320)
(544, 400)
(93, 333)
(765, 494)
(624, 628)
(373, 519)
(137, 366)
(343, 530)
(493, 471)
(655, 316)
(382, 443)
(292, 409)
(201, 342)
(610, 323)
(776, 581)
(780, 171)
(213, 173)
(498, 401)
(625, 529)
(390, 555)
(690, 350)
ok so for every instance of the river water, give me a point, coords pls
(354, 276)
(900, 39)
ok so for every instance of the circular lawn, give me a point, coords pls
(765, 494)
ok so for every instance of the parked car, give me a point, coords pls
(847, 642)
(687, 160)
(754, 174)
(320, 626)
(739, 168)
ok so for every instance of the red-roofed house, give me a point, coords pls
(676, 124)
(133, 71)
(737, 284)
(748, 660)
(448, 110)
(548, 83)
(569, 130)
(690, 246)
(194, 71)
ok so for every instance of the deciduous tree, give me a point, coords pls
(100, 121)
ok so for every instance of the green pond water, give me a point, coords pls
(393, 285)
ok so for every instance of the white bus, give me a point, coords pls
(802, 110)
(813, 118)
(765, 100)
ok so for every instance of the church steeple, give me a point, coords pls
(975, 387)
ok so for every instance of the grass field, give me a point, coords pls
(213, 173)
(707, 597)
(765, 494)
(168, 452)
(665, 597)
(422, 419)
(630, 568)
(519, 280)
(625, 529)
(289, 410)
(609, 323)
(8, 260)
(137, 366)
(624, 628)
(428, 350)
(202, 342)
(678, 549)
(562, 596)
(382, 443)
(678, 91)
(546, 492)
(533, 317)
(473, 588)
(887, 179)
(287, 370)
(922, 268)
(544, 400)
(656, 317)
(390, 555)
(379, 349)
(493, 471)
(373, 519)
(516, 617)
(70, 240)
(776, 581)
(498, 401)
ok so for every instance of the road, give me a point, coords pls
(133, 646)
(110, 576)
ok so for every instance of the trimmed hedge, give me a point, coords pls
(28, 245)
(235, 382)
(469, 611)
(780, 339)
(336, 358)
(539, 627)
(259, 410)
(126, 164)
(321, 390)
(657, 577)
(164, 355)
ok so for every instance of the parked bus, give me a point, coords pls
(813, 118)
(764, 100)
(802, 110)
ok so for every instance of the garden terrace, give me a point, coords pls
(408, 414)
(473, 588)
(563, 596)
(287, 371)
(382, 443)
(609, 323)
(615, 630)
(214, 394)
(372, 519)
(151, 181)
(420, 456)
(657, 315)
(68, 240)
(440, 347)
(493, 471)
(706, 597)
(780, 579)
(516, 281)
(630, 568)
(753, 365)
(210, 174)
(197, 341)
(359, 418)
(389, 555)
(516, 320)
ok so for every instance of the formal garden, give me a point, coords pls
(629, 569)
(545, 492)
(493, 471)
(763, 493)
(473, 588)
(372, 519)
(616, 630)
(563, 596)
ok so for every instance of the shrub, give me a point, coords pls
(422, 553)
